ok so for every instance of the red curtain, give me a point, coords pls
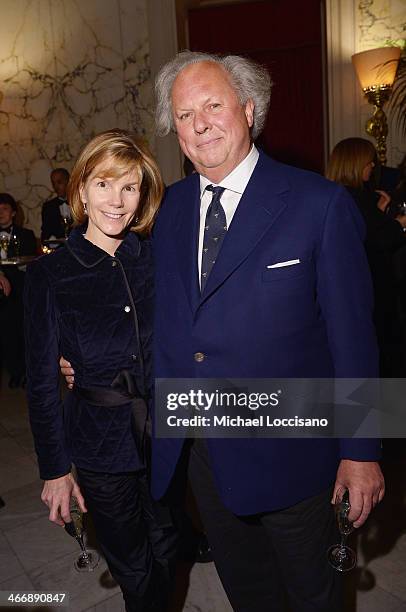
(287, 38)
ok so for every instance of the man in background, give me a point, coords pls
(56, 216)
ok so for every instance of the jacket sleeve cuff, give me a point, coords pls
(361, 449)
(44, 475)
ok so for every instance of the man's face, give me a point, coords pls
(212, 127)
(59, 183)
(6, 215)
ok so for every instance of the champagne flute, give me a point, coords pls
(88, 560)
(4, 240)
(66, 226)
(341, 556)
(14, 245)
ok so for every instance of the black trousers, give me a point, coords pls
(268, 561)
(137, 539)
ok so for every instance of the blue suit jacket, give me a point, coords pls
(313, 319)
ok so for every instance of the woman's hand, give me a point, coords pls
(56, 494)
(384, 200)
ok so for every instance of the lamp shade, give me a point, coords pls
(376, 67)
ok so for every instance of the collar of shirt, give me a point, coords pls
(64, 209)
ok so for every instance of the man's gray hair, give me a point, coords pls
(249, 79)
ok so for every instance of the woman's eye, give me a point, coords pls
(184, 116)
(101, 184)
(129, 188)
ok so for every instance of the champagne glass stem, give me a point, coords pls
(82, 546)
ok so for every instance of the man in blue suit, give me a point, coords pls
(261, 273)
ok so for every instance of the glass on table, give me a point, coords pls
(4, 243)
(14, 246)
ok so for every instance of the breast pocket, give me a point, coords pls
(295, 271)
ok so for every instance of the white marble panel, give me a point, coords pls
(378, 22)
(68, 70)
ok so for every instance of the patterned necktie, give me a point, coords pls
(215, 229)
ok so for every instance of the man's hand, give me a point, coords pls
(365, 483)
(5, 285)
(56, 495)
(384, 200)
(67, 371)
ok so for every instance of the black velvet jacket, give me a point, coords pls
(77, 305)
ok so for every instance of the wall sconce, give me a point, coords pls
(376, 70)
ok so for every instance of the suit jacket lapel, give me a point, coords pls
(259, 207)
(187, 237)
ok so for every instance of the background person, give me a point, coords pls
(92, 302)
(56, 212)
(351, 164)
(21, 243)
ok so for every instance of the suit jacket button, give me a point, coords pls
(199, 357)
(134, 357)
(114, 263)
(127, 308)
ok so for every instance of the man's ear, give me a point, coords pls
(249, 111)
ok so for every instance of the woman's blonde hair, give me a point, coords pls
(119, 152)
(348, 161)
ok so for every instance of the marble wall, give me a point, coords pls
(68, 70)
(379, 21)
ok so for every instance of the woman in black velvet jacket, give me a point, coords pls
(92, 303)
(351, 163)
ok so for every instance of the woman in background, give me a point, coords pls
(92, 301)
(351, 163)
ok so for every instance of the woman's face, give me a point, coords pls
(111, 206)
(367, 171)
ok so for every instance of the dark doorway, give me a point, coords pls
(286, 37)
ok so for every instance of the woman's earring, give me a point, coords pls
(85, 209)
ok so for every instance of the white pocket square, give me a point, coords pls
(282, 264)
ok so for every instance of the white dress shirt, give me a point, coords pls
(234, 184)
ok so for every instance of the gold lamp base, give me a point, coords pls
(377, 125)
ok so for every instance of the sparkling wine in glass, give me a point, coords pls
(66, 226)
(341, 556)
(14, 245)
(88, 560)
(4, 240)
